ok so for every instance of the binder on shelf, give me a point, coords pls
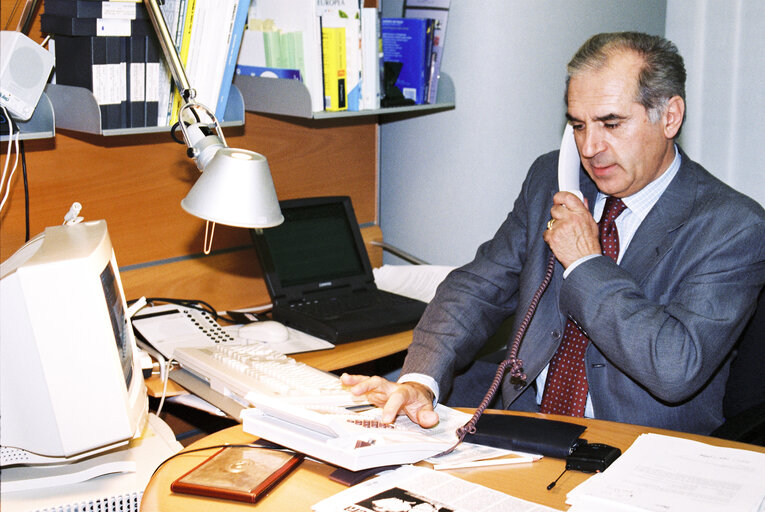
(156, 80)
(136, 81)
(116, 82)
(406, 43)
(92, 9)
(105, 27)
(81, 62)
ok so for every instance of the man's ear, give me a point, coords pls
(673, 116)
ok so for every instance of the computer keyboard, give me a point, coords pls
(332, 306)
(243, 369)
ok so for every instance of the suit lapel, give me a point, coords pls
(653, 239)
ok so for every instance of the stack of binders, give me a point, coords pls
(110, 49)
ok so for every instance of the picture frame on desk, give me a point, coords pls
(238, 473)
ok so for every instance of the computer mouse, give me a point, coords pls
(268, 331)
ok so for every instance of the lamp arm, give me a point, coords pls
(169, 50)
(198, 126)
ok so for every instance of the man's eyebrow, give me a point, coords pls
(602, 119)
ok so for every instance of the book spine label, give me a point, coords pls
(184, 54)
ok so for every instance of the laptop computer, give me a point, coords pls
(318, 274)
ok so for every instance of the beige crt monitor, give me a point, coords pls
(70, 381)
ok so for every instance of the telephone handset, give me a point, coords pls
(568, 163)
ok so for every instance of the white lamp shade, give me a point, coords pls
(235, 189)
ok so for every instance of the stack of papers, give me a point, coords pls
(469, 455)
(669, 474)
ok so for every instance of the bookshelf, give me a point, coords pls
(76, 109)
(135, 178)
(291, 98)
(40, 126)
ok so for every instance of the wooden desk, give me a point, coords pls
(310, 483)
(342, 356)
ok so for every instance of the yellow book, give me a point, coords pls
(188, 24)
(335, 78)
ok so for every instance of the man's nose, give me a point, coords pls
(591, 141)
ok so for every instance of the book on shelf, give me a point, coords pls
(174, 12)
(335, 73)
(407, 44)
(341, 19)
(371, 58)
(211, 37)
(295, 26)
(183, 44)
(437, 10)
(287, 74)
(233, 44)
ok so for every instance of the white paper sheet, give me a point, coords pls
(669, 474)
(413, 488)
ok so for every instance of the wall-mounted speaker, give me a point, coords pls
(24, 70)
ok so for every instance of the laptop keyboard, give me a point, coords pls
(335, 306)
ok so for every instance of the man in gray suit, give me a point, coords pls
(656, 308)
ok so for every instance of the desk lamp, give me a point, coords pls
(235, 187)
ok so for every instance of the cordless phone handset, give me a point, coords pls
(568, 163)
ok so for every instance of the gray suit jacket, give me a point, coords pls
(662, 322)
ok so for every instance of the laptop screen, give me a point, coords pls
(316, 246)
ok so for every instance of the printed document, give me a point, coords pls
(670, 474)
(418, 489)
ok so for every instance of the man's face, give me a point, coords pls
(620, 148)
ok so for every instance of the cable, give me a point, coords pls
(165, 377)
(512, 360)
(26, 192)
(12, 142)
(174, 133)
(188, 303)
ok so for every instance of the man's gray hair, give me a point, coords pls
(662, 75)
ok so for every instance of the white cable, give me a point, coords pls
(15, 142)
(165, 376)
(10, 139)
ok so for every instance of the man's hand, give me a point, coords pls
(411, 398)
(574, 233)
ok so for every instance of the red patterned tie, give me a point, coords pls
(566, 386)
